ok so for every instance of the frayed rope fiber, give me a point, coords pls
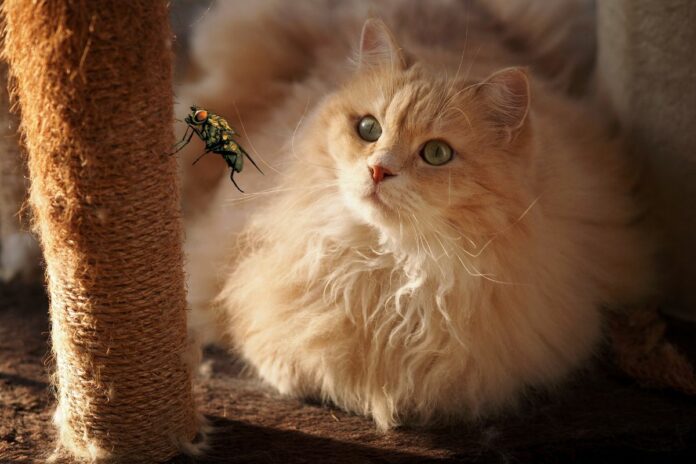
(94, 82)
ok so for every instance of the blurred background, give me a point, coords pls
(646, 74)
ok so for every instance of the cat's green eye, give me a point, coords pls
(437, 153)
(369, 129)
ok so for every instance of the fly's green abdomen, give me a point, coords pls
(239, 163)
(234, 161)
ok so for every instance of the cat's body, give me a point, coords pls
(437, 293)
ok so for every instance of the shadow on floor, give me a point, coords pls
(240, 442)
(235, 441)
(599, 415)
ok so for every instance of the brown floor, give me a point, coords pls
(600, 414)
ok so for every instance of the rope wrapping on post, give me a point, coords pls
(94, 83)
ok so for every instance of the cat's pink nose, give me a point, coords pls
(379, 173)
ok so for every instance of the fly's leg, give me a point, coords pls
(184, 141)
(201, 156)
(213, 149)
(232, 179)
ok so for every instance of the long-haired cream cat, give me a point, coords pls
(437, 229)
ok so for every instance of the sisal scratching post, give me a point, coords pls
(93, 79)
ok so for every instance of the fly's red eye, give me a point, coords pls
(201, 115)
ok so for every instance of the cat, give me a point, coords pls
(438, 229)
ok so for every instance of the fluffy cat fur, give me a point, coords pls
(443, 292)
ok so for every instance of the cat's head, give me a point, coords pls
(413, 147)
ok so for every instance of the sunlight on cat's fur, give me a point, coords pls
(441, 292)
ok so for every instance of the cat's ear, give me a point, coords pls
(507, 96)
(378, 47)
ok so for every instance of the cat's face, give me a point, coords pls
(413, 149)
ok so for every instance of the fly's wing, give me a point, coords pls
(243, 152)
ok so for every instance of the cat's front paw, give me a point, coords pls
(20, 257)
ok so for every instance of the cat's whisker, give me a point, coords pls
(475, 272)
(479, 274)
(441, 245)
(421, 238)
(291, 162)
(291, 189)
(293, 152)
(418, 249)
(256, 195)
(444, 252)
(471, 63)
(419, 232)
(458, 110)
(446, 105)
(454, 229)
(453, 81)
(202, 16)
(401, 224)
(251, 144)
(529, 208)
(459, 67)
(451, 98)
(502, 232)
(297, 128)
(448, 237)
